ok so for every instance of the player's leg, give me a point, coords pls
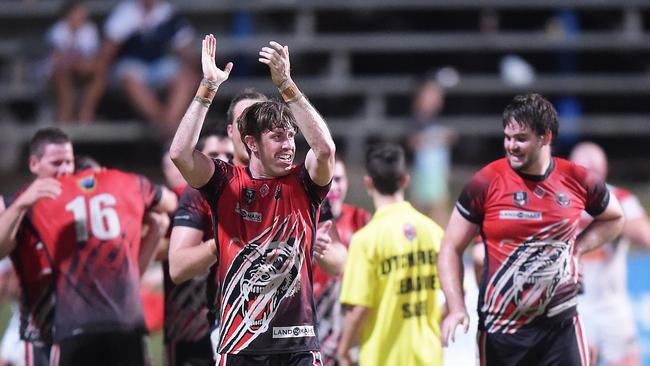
(496, 349)
(565, 344)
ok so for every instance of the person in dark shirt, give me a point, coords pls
(50, 155)
(147, 50)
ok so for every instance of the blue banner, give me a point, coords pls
(638, 276)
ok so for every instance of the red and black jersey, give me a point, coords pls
(93, 233)
(529, 225)
(35, 271)
(186, 304)
(266, 229)
(327, 288)
(351, 219)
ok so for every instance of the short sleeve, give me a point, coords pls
(315, 192)
(325, 211)
(223, 172)
(151, 193)
(122, 22)
(472, 198)
(191, 211)
(88, 40)
(360, 277)
(597, 195)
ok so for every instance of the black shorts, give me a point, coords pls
(38, 354)
(103, 349)
(309, 358)
(190, 353)
(560, 344)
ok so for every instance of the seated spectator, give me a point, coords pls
(149, 46)
(74, 41)
(431, 143)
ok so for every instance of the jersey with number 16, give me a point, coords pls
(93, 231)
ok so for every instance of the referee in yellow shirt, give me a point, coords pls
(390, 278)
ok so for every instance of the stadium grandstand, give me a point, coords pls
(360, 63)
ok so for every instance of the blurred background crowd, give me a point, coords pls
(432, 75)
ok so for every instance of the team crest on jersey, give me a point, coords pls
(264, 190)
(562, 199)
(409, 232)
(520, 198)
(87, 183)
(249, 195)
(539, 192)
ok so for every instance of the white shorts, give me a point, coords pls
(610, 328)
(12, 348)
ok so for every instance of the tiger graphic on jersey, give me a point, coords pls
(263, 274)
(530, 277)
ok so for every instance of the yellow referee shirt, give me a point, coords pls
(391, 269)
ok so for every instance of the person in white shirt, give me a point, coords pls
(147, 50)
(605, 306)
(74, 41)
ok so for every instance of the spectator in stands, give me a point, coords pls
(74, 41)
(431, 143)
(150, 47)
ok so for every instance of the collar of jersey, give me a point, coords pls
(392, 207)
(537, 178)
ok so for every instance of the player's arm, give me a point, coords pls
(355, 318)
(11, 218)
(189, 255)
(458, 235)
(157, 225)
(168, 202)
(637, 228)
(329, 251)
(196, 167)
(320, 158)
(478, 259)
(605, 227)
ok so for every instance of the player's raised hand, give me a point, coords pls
(276, 57)
(210, 69)
(40, 188)
(449, 324)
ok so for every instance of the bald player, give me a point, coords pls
(605, 306)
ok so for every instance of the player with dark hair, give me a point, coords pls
(92, 232)
(238, 104)
(50, 155)
(527, 207)
(267, 216)
(390, 279)
(187, 330)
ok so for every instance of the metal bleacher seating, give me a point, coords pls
(359, 60)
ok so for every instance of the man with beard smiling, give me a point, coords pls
(527, 207)
(266, 216)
